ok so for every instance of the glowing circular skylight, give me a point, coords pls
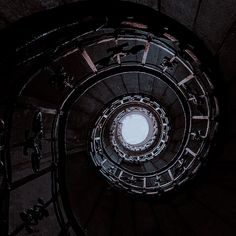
(135, 128)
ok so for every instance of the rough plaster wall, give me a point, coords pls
(183, 11)
(214, 20)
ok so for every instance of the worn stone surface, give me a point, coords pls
(227, 55)
(214, 20)
(231, 108)
(150, 3)
(14, 10)
(47, 4)
(183, 11)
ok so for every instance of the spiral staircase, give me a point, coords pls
(68, 89)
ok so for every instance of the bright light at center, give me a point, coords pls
(135, 128)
